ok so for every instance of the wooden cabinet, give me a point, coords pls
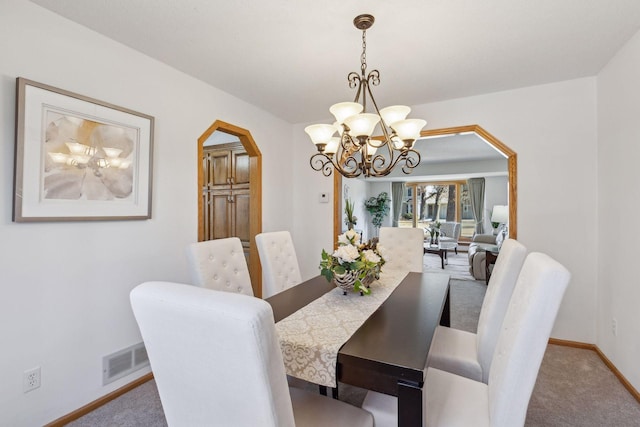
(225, 193)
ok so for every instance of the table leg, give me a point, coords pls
(445, 318)
(323, 390)
(409, 404)
(442, 254)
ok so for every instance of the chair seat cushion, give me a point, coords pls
(455, 351)
(455, 401)
(383, 407)
(310, 409)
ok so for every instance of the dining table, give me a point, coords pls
(378, 342)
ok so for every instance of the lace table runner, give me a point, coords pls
(311, 337)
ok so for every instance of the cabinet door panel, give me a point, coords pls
(217, 169)
(240, 169)
(221, 216)
(241, 218)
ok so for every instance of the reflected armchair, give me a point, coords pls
(450, 232)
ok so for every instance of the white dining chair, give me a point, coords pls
(220, 264)
(403, 248)
(453, 400)
(216, 361)
(279, 262)
(468, 354)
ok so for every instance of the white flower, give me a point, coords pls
(342, 239)
(382, 251)
(347, 253)
(349, 238)
(371, 256)
(353, 236)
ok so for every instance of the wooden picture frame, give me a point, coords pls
(79, 159)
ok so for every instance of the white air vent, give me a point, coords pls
(123, 362)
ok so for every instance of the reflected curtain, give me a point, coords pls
(397, 194)
(476, 194)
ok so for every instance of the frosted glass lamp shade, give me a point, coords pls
(394, 113)
(362, 124)
(320, 134)
(332, 146)
(342, 110)
(500, 214)
(408, 129)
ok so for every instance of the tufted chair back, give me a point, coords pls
(496, 300)
(217, 361)
(279, 262)
(523, 338)
(220, 265)
(211, 353)
(403, 248)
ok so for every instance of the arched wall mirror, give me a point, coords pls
(449, 157)
(230, 191)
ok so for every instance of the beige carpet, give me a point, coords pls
(574, 387)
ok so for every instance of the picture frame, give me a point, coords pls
(78, 158)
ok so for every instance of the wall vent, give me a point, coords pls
(123, 362)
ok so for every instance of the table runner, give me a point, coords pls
(311, 337)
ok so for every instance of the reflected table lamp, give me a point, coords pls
(500, 216)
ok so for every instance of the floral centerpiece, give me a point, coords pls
(353, 266)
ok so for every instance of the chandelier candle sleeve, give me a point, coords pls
(354, 152)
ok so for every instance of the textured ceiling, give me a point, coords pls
(291, 57)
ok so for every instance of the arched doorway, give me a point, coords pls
(255, 193)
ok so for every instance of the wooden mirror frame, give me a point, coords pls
(255, 194)
(512, 169)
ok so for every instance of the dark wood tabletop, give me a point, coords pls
(388, 352)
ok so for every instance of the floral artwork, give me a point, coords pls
(85, 159)
(79, 159)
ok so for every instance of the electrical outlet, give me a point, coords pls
(614, 327)
(31, 379)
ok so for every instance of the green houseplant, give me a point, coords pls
(378, 207)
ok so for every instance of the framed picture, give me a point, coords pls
(79, 159)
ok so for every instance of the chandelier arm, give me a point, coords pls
(383, 125)
(354, 80)
(411, 160)
(322, 162)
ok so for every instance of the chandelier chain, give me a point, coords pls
(363, 57)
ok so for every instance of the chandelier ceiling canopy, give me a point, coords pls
(354, 151)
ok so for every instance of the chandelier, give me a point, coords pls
(354, 151)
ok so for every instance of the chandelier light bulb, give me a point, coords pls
(342, 110)
(362, 124)
(332, 146)
(320, 134)
(395, 113)
(408, 129)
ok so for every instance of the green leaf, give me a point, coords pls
(328, 274)
(338, 269)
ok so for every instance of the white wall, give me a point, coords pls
(496, 192)
(65, 286)
(552, 128)
(618, 208)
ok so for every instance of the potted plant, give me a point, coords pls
(378, 207)
(353, 265)
(350, 219)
